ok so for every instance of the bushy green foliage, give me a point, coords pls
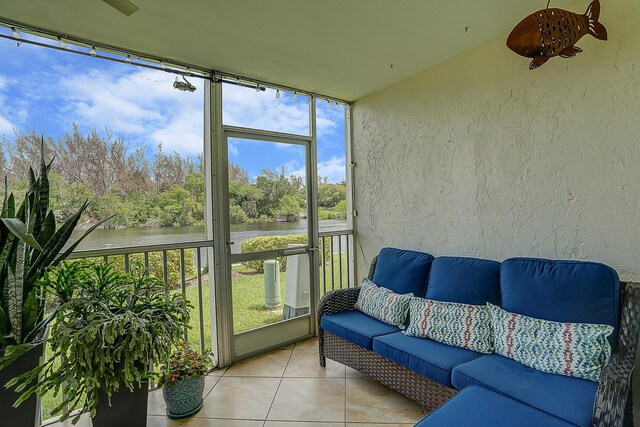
(110, 326)
(290, 207)
(341, 209)
(329, 195)
(237, 215)
(156, 268)
(267, 243)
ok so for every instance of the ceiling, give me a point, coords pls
(341, 48)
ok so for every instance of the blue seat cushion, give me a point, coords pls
(429, 358)
(464, 280)
(356, 327)
(564, 397)
(478, 407)
(402, 271)
(562, 291)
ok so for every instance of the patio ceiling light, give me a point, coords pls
(92, 52)
(277, 93)
(62, 43)
(184, 86)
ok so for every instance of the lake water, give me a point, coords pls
(106, 238)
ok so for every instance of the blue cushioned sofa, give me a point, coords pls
(463, 387)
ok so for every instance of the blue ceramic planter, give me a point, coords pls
(184, 398)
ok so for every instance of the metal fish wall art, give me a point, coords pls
(554, 32)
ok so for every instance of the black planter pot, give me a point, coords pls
(28, 413)
(128, 408)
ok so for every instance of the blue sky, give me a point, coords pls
(47, 91)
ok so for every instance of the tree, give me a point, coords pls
(169, 169)
(289, 207)
(238, 173)
(330, 195)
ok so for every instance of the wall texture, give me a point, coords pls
(479, 156)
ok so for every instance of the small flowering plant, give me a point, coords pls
(184, 363)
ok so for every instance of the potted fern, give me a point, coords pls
(30, 243)
(182, 381)
(110, 328)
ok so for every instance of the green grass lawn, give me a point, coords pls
(248, 307)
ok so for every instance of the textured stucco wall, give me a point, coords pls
(481, 157)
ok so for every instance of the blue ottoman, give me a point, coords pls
(478, 407)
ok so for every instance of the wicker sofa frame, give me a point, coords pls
(612, 406)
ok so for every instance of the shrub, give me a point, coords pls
(155, 265)
(267, 243)
(237, 215)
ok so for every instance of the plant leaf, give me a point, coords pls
(30, 311)
(48, 228)
(19, 229)
(5, 328)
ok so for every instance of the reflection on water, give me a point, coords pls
(103, 239)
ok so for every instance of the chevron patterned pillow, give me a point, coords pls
(572, 349)
(460, 325)
(383, 304)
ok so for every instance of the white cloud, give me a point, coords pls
(142, 106)
(333, 169)
(262, 110)
(180, 134)
(5, 126)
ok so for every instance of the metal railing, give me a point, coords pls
(184, 268)
(181, 266)
(336, 262)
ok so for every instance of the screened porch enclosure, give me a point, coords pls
(259, 156)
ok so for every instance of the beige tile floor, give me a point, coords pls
(287, 388)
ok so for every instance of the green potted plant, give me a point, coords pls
(30, 243)
(182, 381)
(110, 328)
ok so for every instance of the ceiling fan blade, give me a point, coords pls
(124, 6)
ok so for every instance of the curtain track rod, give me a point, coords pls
(170, 66)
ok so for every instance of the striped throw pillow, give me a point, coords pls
(460, 325)
(579, 350)
(383, 304)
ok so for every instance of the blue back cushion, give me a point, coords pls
(402, 271)
(464, 280)
(563, 291)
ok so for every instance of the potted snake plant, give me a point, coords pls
(111, 327)
(30, 243)
(182, 380)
